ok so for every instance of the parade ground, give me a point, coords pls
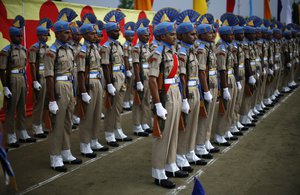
(264, 161)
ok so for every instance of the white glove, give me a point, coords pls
(289, 65)
(37, 85)
(252, 80)
(185, 106)
(161, 111)
(53, 108)
(271, 71)
(207, 96)
(139, 86)
(276, 67)
(7, 92)
(111, 89)
(226, 94)
(128, 73)
(239, 86)
(264, 71)
(257, 74)
(86, 97)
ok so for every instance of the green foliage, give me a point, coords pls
(126, 4)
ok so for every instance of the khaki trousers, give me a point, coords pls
(90, 123)
(59, 137)
(164, 148)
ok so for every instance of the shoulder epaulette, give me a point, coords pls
(201, 46)
(83, 49)
(235, 44)
(7, 48)
(137, 45)
(159, 50)
(53, 48)
(182, 51)
(106, 44)
(126, 44)
(223, 47)
(36, 45)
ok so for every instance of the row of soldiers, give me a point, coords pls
(183, 73)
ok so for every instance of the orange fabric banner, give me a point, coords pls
(267, 10)
(143, 4)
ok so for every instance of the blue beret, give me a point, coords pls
(258, 29)
(204, 28)
(129, 33)
(75, 30)
(61, 26)
(85, 28)
(142, 31)
(249, 29)
(164, 28)
(111, 26)
(287, 32)
(270, 31)
(15, 31)
(185, 27)
(40, 30)
(276, 31)
(225, 30)
(238, 29)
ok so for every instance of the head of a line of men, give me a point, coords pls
(113, 30)
(166, 32)
(16, 35)
(89, 32)
(62, 31)
(186, 32)
(205, 32)
(226, 34)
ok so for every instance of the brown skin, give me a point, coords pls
(251, 36)
(15, 39)
(239, 37)
(169, 38)
(43, 38)
(76, 37)
(91, 37)
(106, 71)
(209, 37)
(188, 38)
(223, 74)
(126, 59)
(143, 38)
(64, 37)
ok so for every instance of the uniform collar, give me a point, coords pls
(88, 43)
(186, 45)
(112, 40)
(61, 44)
(169, 46)
(128, 42)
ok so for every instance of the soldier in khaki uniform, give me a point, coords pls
(167, 99)
(192, 74)
(76, 45)
(205, 51)
(141, 110)
(37, 67)
(228, 86)
(127, 49)
(242, 51)
(90, 87)
(114, 72)
(59, 63)
(250, 70)
(13, 76)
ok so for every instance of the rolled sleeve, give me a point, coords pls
(49, 63)
(154, 62)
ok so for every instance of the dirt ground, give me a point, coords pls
(264, 161)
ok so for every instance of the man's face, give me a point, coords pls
(228, 38)
(16, 39)
(258, 35)
(189, 37)
(144, 38)
(251, 36)
(99, 37)
(43, 38)
(76, 37)
(129, 38)
(169, 38)
(91, 36)
(64, 36)
(239, 36)
(114, 34)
